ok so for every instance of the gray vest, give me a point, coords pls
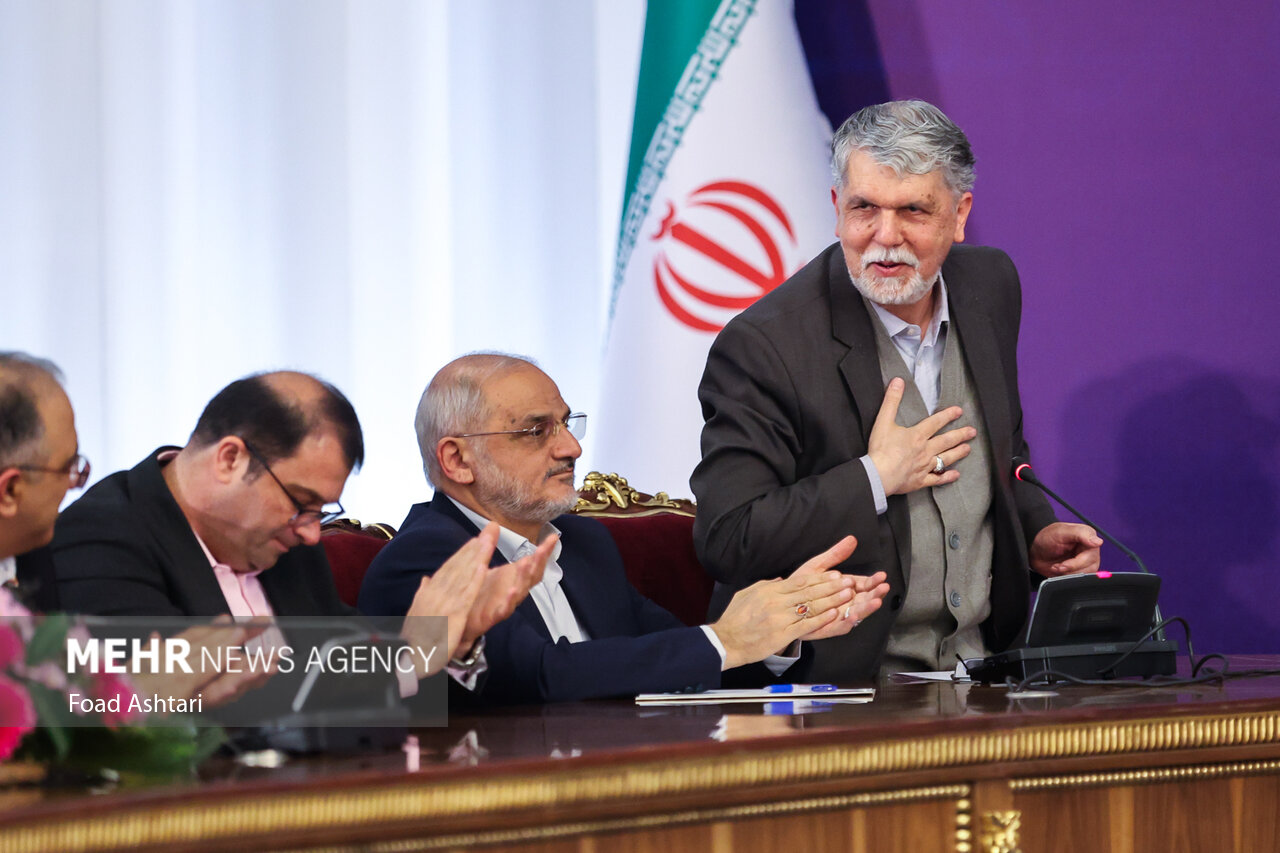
(949, 578)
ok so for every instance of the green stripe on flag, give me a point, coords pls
(685, 42)
(672, 30)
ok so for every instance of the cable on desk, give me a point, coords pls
(1200, 672)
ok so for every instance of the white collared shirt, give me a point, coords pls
(554, 606)
(922, 353)
(8, 569)
(547, 595)
(921, 349)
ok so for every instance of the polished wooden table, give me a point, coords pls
(924, 767)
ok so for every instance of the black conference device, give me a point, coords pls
(1086, 626)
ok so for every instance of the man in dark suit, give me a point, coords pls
(230, 523)
(39, 461)
(875, 393)
(499, 444)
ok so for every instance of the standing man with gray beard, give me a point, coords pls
(875, 392)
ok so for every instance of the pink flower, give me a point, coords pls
(108, 686)
(17, 716)
(48, 673)
(79, 633)
(14, 614)
(11, 647)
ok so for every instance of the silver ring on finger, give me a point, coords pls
(802, 610)
(938, 465)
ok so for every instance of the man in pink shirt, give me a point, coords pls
(39, 462)
(230, 523)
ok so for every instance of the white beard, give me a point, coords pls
(891, 291)
(515, 499)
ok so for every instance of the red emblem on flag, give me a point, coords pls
(729, 238)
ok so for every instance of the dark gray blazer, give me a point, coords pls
(791, 390)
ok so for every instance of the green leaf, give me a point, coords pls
(154, 751)
(49, 640)
(54, 714)
(207, 741)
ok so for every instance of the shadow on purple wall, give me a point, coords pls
(843, 56)
(1115, 148)
(1189, 467)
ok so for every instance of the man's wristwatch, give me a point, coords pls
(472, 656)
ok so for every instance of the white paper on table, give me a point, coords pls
(762, 694)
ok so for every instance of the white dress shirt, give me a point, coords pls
(554, 606)
(921, 351)
(547, 594)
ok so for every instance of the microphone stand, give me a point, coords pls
(1023, 471)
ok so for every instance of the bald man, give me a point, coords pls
(230, 523)
(39, 460)
(500, 444)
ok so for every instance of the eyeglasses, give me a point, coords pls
(303, 516)
(77, 471)
(543, 430)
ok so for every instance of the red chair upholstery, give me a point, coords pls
(654, 534)
(351, 547)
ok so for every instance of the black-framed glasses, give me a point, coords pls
(303, 516)
(77, 471)
(543, 430)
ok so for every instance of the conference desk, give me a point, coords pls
(925, 767)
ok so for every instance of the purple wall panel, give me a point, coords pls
(1129, 162)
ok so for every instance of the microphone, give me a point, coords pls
(1023, 471)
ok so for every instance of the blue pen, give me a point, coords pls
(800, 706)
(802, 688)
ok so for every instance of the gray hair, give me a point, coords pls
(910, 137)
(454, 402)
(21, 427)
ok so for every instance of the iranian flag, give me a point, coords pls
(727, 194)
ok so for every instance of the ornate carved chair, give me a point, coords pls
(654, 533)
(351, 547)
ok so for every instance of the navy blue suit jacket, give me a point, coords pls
(635, 646)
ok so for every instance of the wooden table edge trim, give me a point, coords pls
(187, 818)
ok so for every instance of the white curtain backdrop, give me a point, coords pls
(193, 191)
